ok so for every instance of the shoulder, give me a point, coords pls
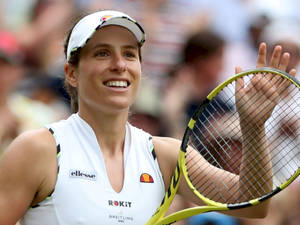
(167, 150)
(32, 143)
(27, 170)
(164, 143)
(32, 154)
(33, 151)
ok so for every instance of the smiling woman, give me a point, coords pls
(74, 55)
(95, 167)
(108, 73)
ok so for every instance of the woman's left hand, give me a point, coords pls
(256, 101)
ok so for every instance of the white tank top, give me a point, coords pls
(83, 194)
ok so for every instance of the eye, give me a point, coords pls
(102, 53)
(130, 54)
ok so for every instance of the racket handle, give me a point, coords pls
(183, 214)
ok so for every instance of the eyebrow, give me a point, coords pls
(131, 46)
(109, 46)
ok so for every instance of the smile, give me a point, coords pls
(118, 83)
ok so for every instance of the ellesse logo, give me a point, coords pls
(146, 178)
(91, 175)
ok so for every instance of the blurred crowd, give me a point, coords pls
(190, 47)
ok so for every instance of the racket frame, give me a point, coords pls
(157, 218)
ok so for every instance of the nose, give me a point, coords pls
(118, 64)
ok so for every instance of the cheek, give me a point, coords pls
(136, 72)
(88, 72)
(85, 81)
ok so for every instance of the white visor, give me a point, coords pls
(87, 26)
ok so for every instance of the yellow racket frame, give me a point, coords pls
(157, 218)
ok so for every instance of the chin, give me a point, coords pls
(120, 106)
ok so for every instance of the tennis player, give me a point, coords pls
(94, 167)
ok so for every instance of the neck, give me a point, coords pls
(109, 129)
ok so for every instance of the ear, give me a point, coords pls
(71, 75)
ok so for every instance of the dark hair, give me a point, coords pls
(201, 45)
(74, 60)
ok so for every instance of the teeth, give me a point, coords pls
(116, 84)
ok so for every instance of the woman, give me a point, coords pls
(94, 167)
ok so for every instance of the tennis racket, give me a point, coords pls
(214, 135)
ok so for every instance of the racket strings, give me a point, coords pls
(285, 141)
(283, 164)
(284, 167)
(209, 140)
(223, 142)
(275, 174)
(218, 196)
(208, 183)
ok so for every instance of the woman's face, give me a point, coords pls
(109, 70)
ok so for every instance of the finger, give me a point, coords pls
(277, 80)
(262, 55)
(284, 61)
(293, 72)
(238, 70)
(239, 84)
(275, 59)
(286, 83)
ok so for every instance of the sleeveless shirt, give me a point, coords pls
(83, 193)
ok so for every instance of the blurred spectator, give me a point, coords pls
(189, 83)
(39, 26)
(227, 156)
(244, 53)
(15, 13)
(275, 9)
(42, 35)
(285, 127)
(11, 71)
(16, 108)
(227, 18)
(222, 145)
(48, 90)
(145, 112)
(212, 218)
(193, 79)
(259, 22)
(288, 38)
(284, 208)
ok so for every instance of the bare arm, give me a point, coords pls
(255, 103)
(27, 174)
(254, 144)
(167, 153)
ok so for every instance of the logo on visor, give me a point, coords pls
(103, 18)
(146, 178)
